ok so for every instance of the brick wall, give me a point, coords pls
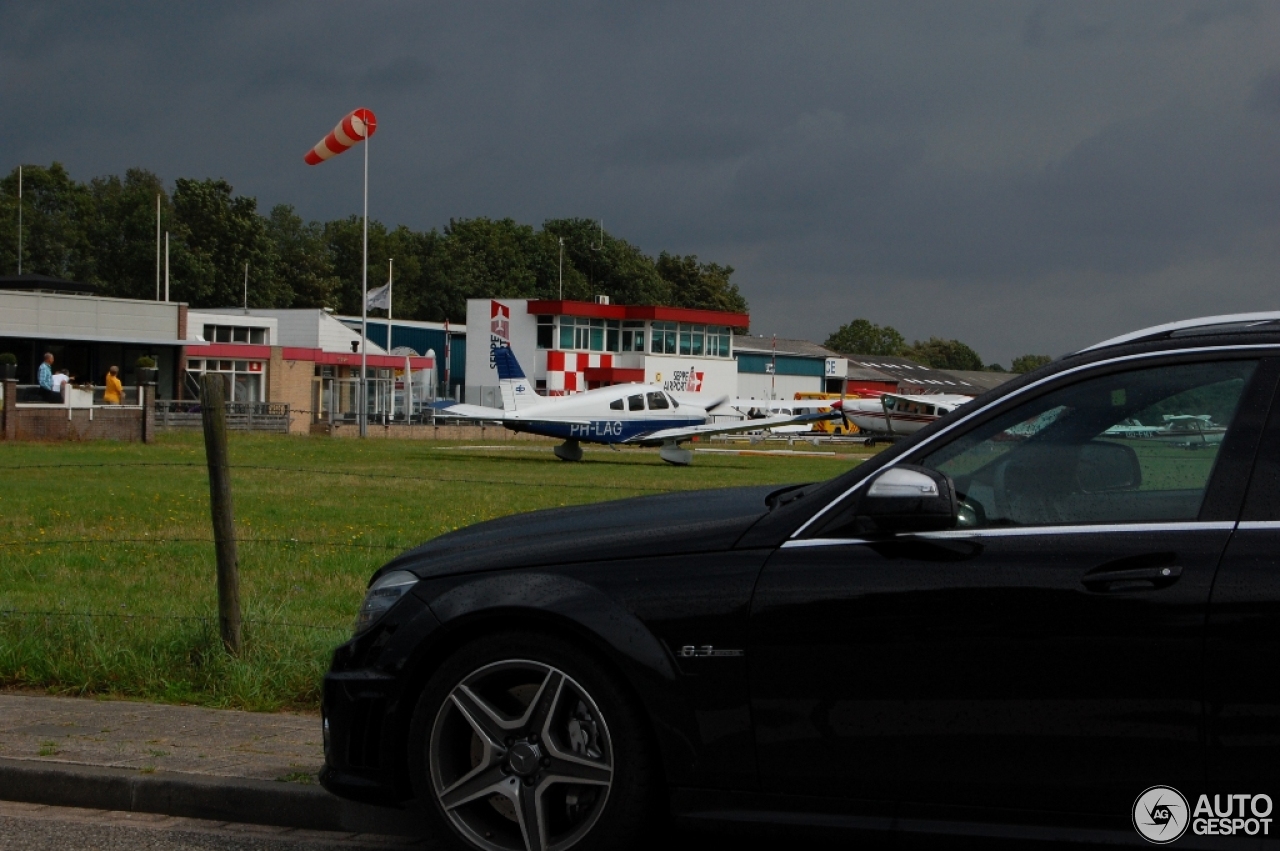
(291, 381)
(52, 423)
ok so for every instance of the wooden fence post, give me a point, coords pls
(214, 415)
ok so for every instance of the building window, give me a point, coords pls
(662, 338)
(236, 334)
(585, 335)
(611, 336)
(244, 377)
(718, 337)
(691, 339)
(632, 336)
(546, 332)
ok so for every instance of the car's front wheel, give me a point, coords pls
(521, 743)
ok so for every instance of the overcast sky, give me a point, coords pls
(1024, 176)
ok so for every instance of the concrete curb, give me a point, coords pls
(235, 799)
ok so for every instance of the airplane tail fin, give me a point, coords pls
(516, 389)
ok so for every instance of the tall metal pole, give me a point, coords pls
(157, 246)
(246, 287)
(773, 370)
(19, 220)
(166, 265)
(391, 405)
(364, 301)
(562, 268)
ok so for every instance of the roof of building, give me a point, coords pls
(785, 346)
(985, 380)
(594, 310)
(306, 327)
(46, 284)
(910, 374)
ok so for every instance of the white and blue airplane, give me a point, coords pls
(620, 415)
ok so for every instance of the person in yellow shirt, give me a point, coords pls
(114, 394)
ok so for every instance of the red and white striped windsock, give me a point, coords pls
(356, 127)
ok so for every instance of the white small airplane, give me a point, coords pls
(624, 414)
(896, 415)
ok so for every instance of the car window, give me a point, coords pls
(1130, 447)
(615, 405)
(635, 403)
(657, 402)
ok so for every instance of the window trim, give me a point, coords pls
(968, 418)
(1024, 531)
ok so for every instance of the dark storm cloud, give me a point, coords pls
(1024, 175)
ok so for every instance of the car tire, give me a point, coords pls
(524, 742)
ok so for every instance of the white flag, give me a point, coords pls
(379, 298)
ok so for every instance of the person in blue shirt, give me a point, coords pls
(44, 377)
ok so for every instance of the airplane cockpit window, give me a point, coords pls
(674, 403)
(635, 403)
(615, 405)
(657, 402)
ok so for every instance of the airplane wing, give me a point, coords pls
(679, 434)
(775, 404)
(480, 412)
(474, 412)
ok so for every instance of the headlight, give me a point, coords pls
(382, 595)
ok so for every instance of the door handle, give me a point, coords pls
(1131, 579)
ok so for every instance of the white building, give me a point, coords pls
(570, 346)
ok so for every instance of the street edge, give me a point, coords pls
(233, 799)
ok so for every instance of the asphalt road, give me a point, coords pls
(28, 827)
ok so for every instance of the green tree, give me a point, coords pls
(303, 266)
(861, 337)
(1026, 363)
(56, 212)
(221, 232)
(944, 354)
(699, 285)
(122, 232)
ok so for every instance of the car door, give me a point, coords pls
(1243, 642)
(1045, 654)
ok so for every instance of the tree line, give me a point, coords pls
(103, 232)
(863, 337)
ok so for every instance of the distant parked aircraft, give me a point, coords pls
(624, 414)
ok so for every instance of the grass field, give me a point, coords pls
(107, 572)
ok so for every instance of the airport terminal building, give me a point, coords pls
(568, 346)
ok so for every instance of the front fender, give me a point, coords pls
(572, 607)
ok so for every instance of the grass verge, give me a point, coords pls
(107, 572)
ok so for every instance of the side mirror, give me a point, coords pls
(906, 498)
(1104, 466)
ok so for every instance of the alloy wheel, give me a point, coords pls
(520, 758)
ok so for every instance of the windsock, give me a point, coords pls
(356, 127)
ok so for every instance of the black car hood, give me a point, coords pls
(688, 522)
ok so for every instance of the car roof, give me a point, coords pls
(1225, 324)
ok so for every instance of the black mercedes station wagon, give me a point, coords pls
(1012, 624)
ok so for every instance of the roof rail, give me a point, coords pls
(1202, 322)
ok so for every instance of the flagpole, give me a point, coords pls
(391, 410)
(364, 300)
(448, 393)
(19, 219)
(166, 265)
(157, 246)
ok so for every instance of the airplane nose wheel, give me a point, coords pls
(570, 450)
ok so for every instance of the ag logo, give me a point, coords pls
(1160, 814)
